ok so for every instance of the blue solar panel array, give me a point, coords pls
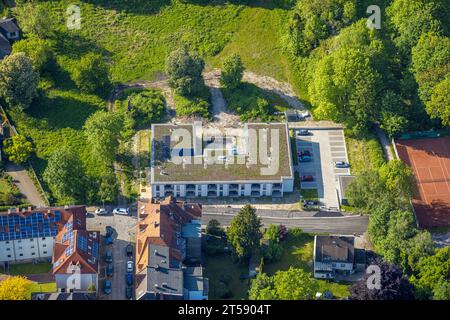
(13, 227)
(82, 243)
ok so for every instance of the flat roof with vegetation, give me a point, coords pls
(165, 170)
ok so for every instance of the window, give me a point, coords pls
(44, 245)
(45, 252)
(21, 255)
(9, 256)
(31, 240)
(43, 238)
(19, 241)
(8, 249)
(342, 265)
(7, 242)
(20, 248)
(33, 253)
(32, 247)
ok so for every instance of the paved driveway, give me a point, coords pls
(26, 186)
(326, 147)
(124, 233)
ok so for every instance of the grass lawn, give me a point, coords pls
(364, 153)
(309, 194)
(222, 265)
(42, 287)
(298, 253)
(30, 268)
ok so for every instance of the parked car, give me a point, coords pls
(107, 287)
(122, 211)
(129, 250)
(109, 256)
(109, 240)
(307, 203)
(109, 231)
(109, 270)
(341, 164)
(305, 159)
(304, 153)
(129, 278)
(129, 266)
(303, 132)
(303, 114)
(101, 212)
(307, 178)
(129, 292)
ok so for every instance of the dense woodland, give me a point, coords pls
(56, 83)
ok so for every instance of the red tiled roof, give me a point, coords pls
(159, 223)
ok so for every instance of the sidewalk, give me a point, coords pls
(26, 186)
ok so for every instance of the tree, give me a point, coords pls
(398, 178)
(293, 284)
(18, 80)
(442, 290)
(439, 105)
(244, 232)
(393, 115)
(365, 190)
(214, 228)
(102, 131)
(430, 65)
(147, 107)
(91, 73)
(410, 19)
(393, 285)
(232, 72)
(432, 271)
(185, 72)
(107, 191)
(35, 19)
(15, 288)
(38, 50)
(64, 175)
(18, 149)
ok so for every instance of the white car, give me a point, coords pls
(122, 211)
(129, 266)
(101, 212)
(341, 164)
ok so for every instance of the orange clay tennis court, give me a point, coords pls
(430, 160)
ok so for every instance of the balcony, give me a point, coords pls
(277, 194)
(256, 187)
(168, 187)
(190, 187)
(255, 193)
(277, 186)
(212, 187)
(212, 193)
(168, 193)
(233, 186)
(233, 193)
(190, 194)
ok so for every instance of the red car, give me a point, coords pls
(307, 178)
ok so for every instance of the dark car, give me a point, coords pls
(109, 256)
(109, 231)
(303, 132)
(307, 178)
(129, 250)
(109, 240)
(307, 203)
(304, 153)
(129, 278)
(107, 287)
(305, 159)
(129, 292)
(109, 270)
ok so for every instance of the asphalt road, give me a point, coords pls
(346, 225)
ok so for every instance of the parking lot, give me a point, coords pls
(325, 146)
(123, 234)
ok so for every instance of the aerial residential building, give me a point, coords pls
(168, 251)
(336, 254)
(9, 31)
(191, 161)
(52, 233)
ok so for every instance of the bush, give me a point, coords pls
(213, 228)
(186, 106)
(91, 73)
(146, 107)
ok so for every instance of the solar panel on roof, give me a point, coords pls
(82, 243)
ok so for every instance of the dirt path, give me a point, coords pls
(385, 144)
(26, 186)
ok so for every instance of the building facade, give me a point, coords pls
(333, 254)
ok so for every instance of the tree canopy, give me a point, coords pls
(92, 73)
(185, 72)
(244, 232)
(232, 72)
(18, 80)
(15, 288)
(18, 149)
